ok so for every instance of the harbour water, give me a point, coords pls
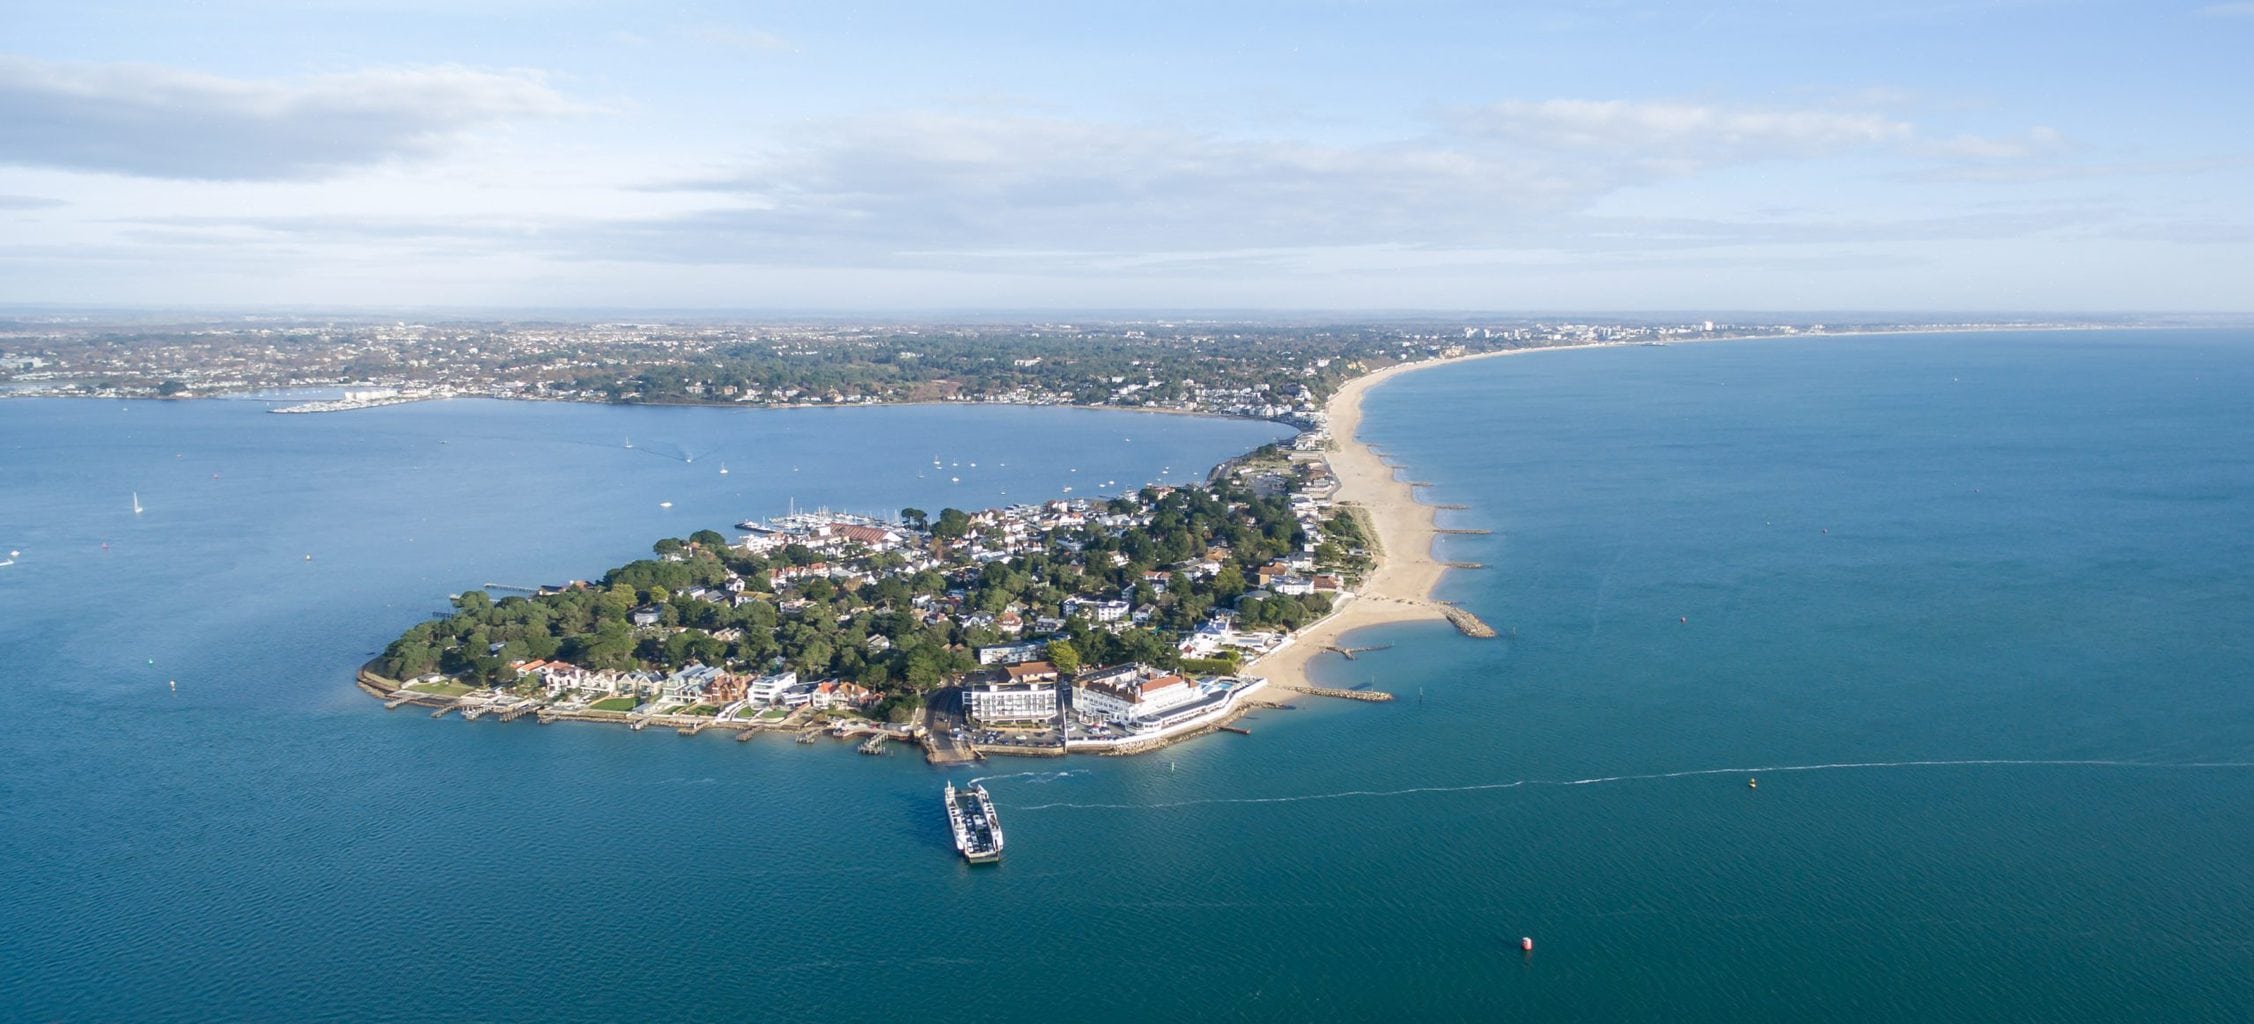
(1947, 564)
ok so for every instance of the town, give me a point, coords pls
(1092, 624)
(1262, 370)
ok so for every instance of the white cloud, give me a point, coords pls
(1697, 133)
(162, 122)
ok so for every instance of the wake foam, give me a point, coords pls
(1349, 794)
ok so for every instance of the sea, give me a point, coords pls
(1870, 678)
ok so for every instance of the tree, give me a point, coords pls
(916, 518)
(953, 524)
(1064, 656)
(710, 540)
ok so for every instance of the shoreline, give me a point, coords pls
(1403, 585)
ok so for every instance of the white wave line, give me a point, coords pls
(1033, 776)
(1653, 776)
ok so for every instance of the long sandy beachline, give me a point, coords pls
(1400, 588)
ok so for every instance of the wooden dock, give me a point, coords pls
(691, 730)
(519, 711)
(441, 712)
(876, 745)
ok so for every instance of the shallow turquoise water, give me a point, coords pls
(2036, 551)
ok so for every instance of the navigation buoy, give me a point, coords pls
(1684, 619)
(1526, 944)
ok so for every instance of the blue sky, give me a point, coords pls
(1599, 156)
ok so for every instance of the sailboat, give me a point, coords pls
(629, 440)
(136, 503)
(723, 469)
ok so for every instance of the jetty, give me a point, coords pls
(1465, 622)
(519, 711)
(875, 745)
(441, 712)
(697, 727)
(1373, 696)
(1238, 729)
(1349, 652)
(745, 736)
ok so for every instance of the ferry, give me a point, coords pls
(978, 834)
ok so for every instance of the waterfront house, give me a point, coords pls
(646, 615)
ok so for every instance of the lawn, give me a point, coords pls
(442, 689)
(613, 704)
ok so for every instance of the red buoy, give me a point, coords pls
(1526, 944)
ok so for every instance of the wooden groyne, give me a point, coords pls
(1452, 505)
(1456, 532)
(1373, 696)
(1238, 729)
(1349, 652)
(1465, 565)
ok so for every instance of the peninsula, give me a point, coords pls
(1111, 624)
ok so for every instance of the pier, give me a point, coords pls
(876, 745)
(1466, 623)
(697, 727)
(1372, 696)
(1238, 729)
(519, 711)
(441, 712)
(1349, 652)
(746, 735)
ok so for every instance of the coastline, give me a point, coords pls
(1402, 586)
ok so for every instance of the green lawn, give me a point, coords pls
(702, 709)
(613, 704)
(442, 689)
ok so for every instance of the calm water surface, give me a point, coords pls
(1709, 562)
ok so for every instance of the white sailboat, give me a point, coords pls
(723, 469)
(136, 503)
(629, 440)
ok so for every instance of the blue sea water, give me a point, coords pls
(1950, 563)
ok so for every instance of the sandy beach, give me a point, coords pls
(1401, 588)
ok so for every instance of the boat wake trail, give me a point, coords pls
(1349, 794)
(1029, 776)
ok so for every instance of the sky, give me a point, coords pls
(1952, 155)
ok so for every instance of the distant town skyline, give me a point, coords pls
(2013, 155)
